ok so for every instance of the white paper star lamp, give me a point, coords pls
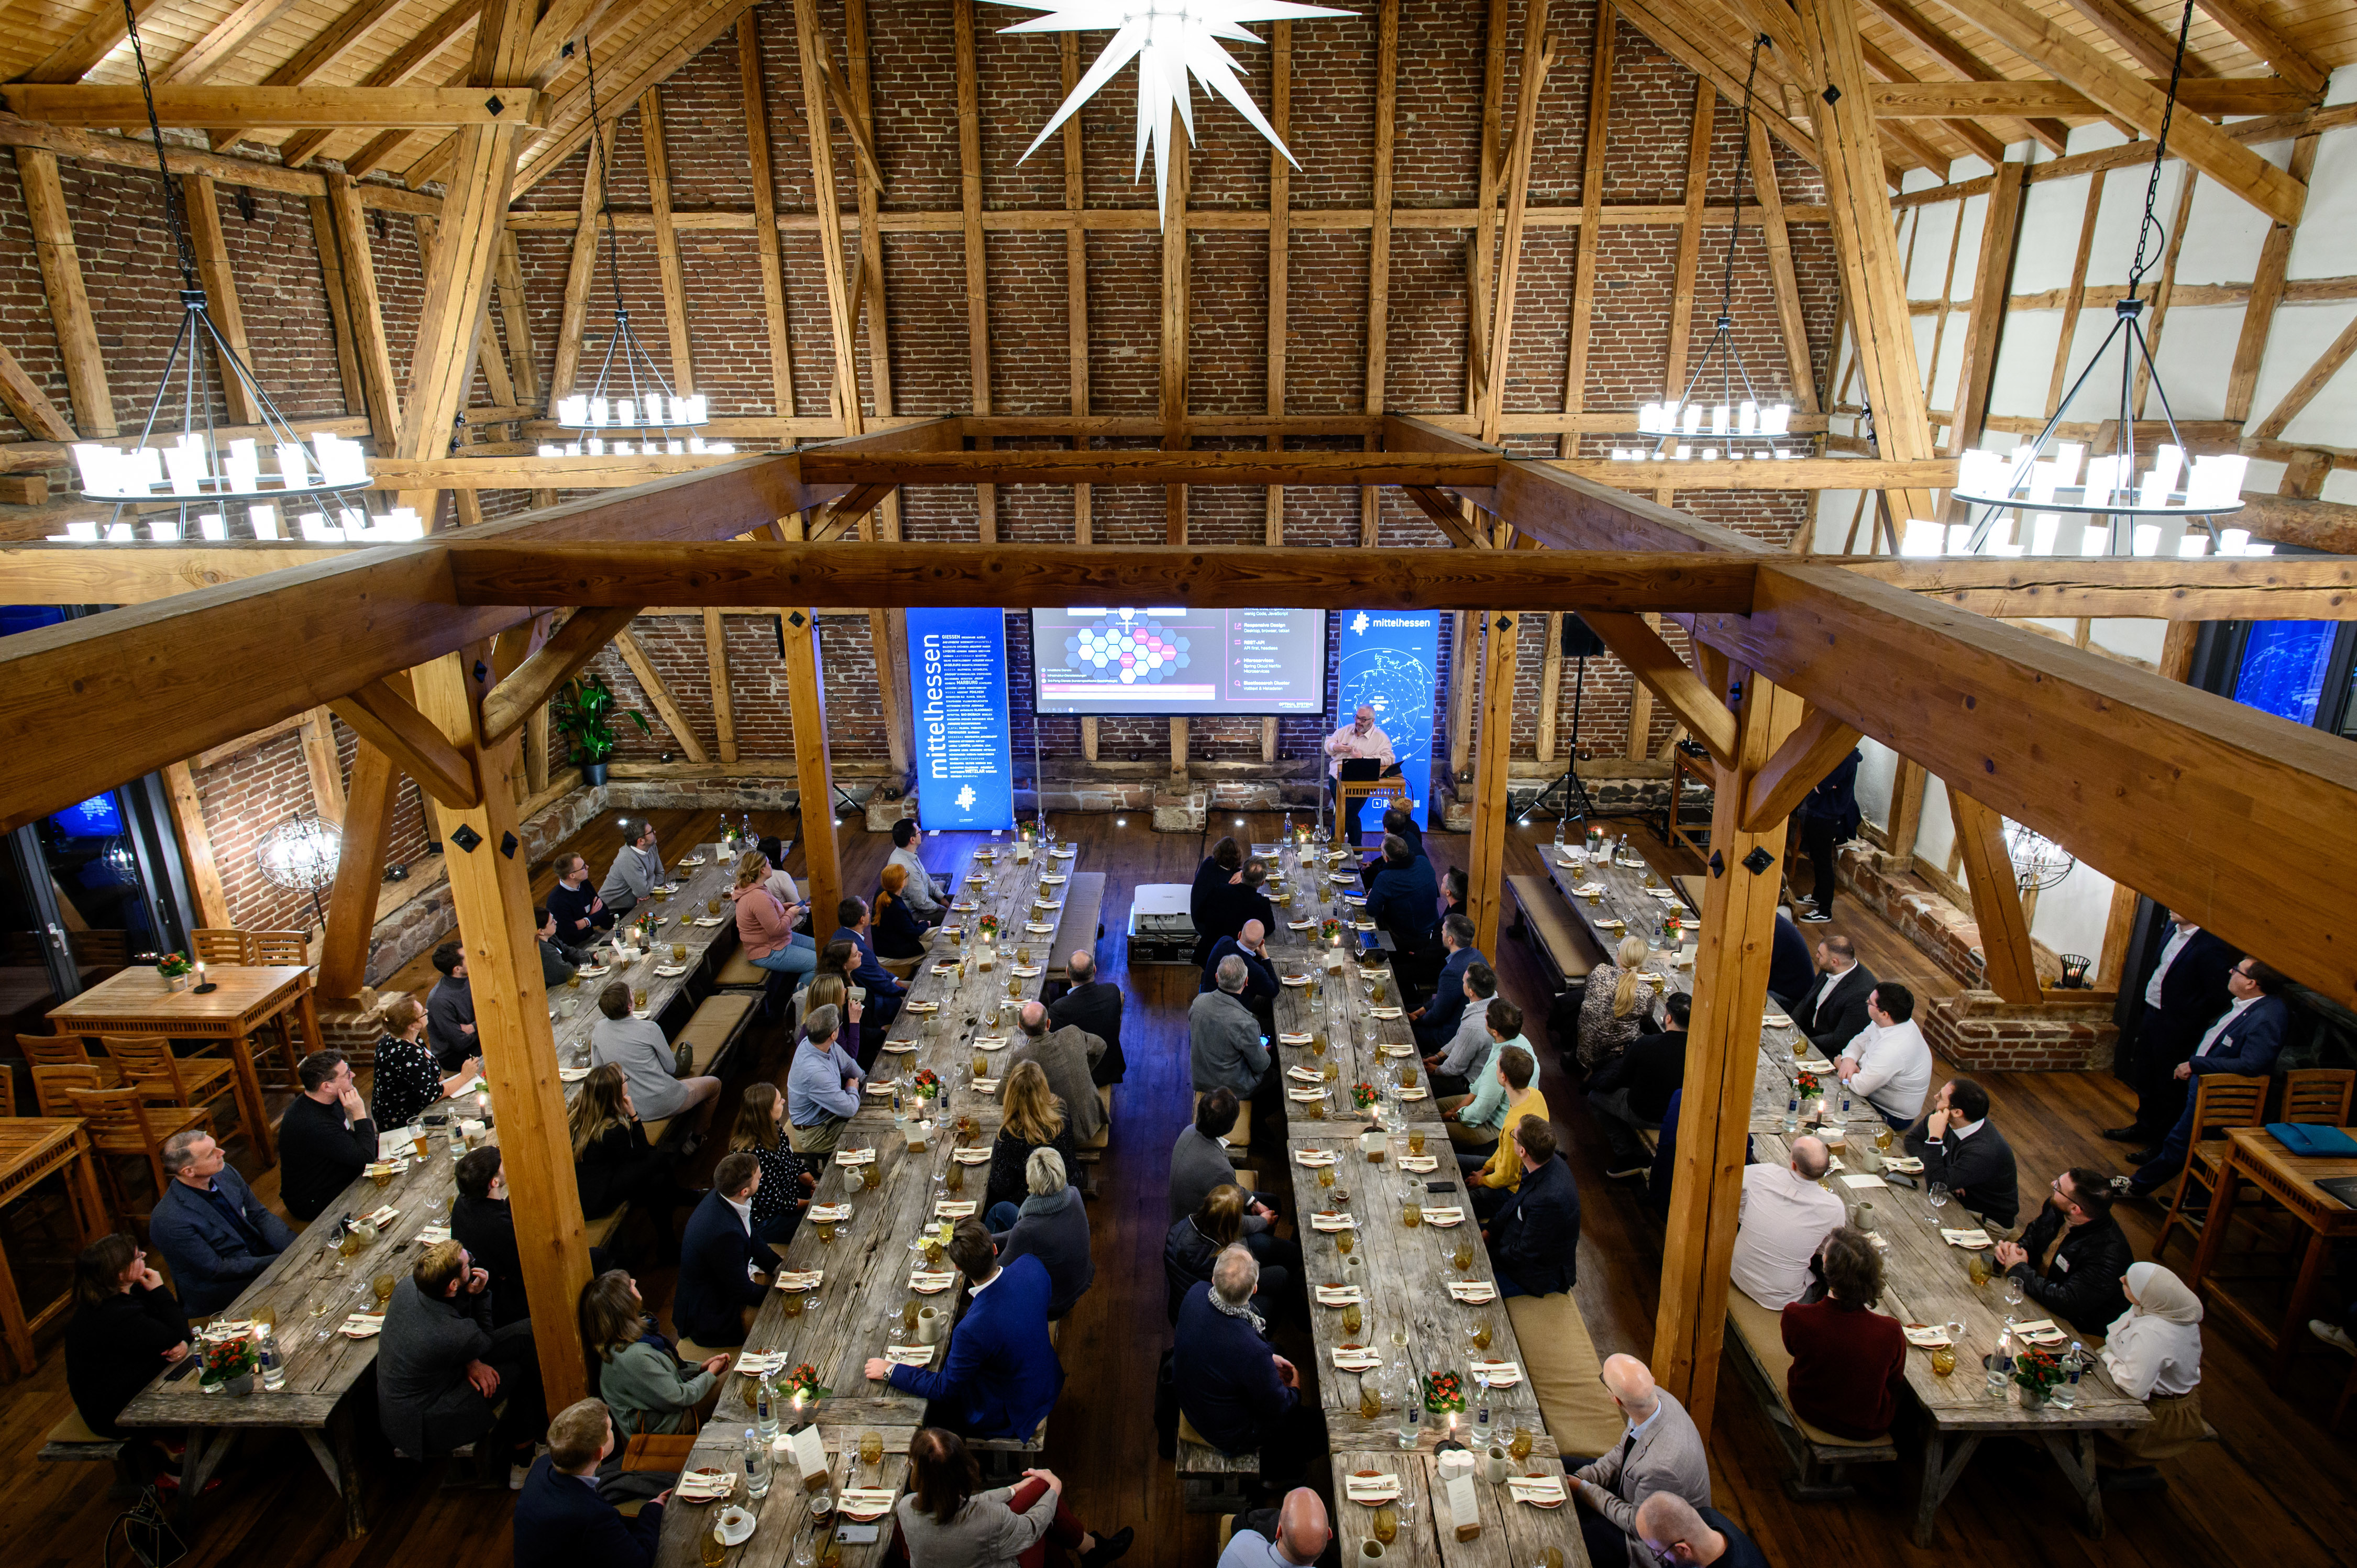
(1170, 39)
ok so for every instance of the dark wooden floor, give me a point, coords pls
(2278, 1487)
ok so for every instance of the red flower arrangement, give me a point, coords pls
(1362, 1095)
(1809, 1086)
(925, 1083)
(1443, 1393)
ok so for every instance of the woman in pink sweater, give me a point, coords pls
(766, 926)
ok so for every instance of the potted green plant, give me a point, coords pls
(584, 712)
(229, 1366)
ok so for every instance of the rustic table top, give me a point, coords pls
(783, 1522)
(2291, 1178)
(1360, 1047)
(33, 1147)
(1513, 1534)
(140, 996)
(309, 1290)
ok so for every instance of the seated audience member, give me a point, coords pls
(1259, 994)
(1238, 1394)
(1035, 1118)
(1502, 1172)
(824, 1083)
(787, 1180)
(1961, 1152)
(2245, 1040)
(1068, 1056)
(580, 914)
(481, 1221)
(407, 1077)
(1627, 1094)
(1224, 1045)
(1452, 891)
(927, 894)
(1001, 1376)
(1834, 1009)
(1435, 1023)
(900, 934)
(637, 1373)
(1052, 1225)
(1464, 1056)
(1662, 1451)
(1193, 1244)
(637, 1046)
(445, 1378)
(126, 1329)
(209, 1227)
(885, 990)
(780, 882)
(946, 1520)
(1403, 823)
(1783, 1219)
(1094, 1006)
(612, 1161)
(559, 959)
(1789, 969)
(1613, 1008)
(450, 1008)
(765, 922)
(561, 1520)
(1676, 1534)
(1849, 1362)
(1534, 1237)
(1292, 1536)
(1889, 1065)
(2081, 1283)
(637, 870)
(1199, 1162)
(1235, 902)
(1216, 871)
(326, 1140)
(721, 1267)
(2153, 1353)
(1404, 899)
(1476, 1123)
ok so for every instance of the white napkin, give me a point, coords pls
(855, 1156)
(1304, 1095)
(954, 1209)
(908, 1355)
(1420, 1164)
(867, 1502)
(1444, 1218)
(1339, 1296)
(1418, 1092)
(1861, 1181)
(800, 1279)
(1372, 1490)
(990, 1042)
(986, 1086)
(2043, 1332)
(1972, 1241)
(1316, 1157)
(1498, 1374)
(753, 1363)
(1931, 1336)
(925, 1282)
(830, 1213)
(1359, 1359)
(1473, 1292)
(363, 1325)
(697, 1487)
(1332, 1223)
(971, 1156)
(1536, 1490)
(433, 1235)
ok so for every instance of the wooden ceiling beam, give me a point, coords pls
(73, 60)
(1917, 100)
(350, 29)
(2257, 587)
(404, 64)
(2046, 42)
(755, 575)
(567, 652)
(1672, 40)
(2140, 39)
(391, 723)
(220, 44)
(1654, 662)
(1975, 140)
(1933, 39)
(2243, 19)
(338, 108)
(1797, 767)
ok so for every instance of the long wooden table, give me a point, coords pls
(310, 1290)
(32, 1149)
(2253, 1155)
(853, 1314)
(140, 1001)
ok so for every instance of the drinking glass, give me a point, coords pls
(826, 1231)
(1325, 1175)
(713, 1550)
(956, 1179)
(909, 1310)
(1411, 1213)
(2012, 1297)
(871, 1176)
(805, 1550)
(1939, 1197)
(1463, 1256)
(382, 1285)
(1399, 1334)
(1370, 1399)
(1352, 1320)
(871, 1444)
(1481, 1333)
(1977, 1269)
(639, 997)
(1518, 1447)
(1318, 1043)
(981, 1065)
(1416, 1140)
(679, 953)
(1883, 1139)
(793, 1304)
(1943, 1361)
(1344, 1240)
(1386, 1524)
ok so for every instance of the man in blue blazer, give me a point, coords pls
(718, 1288)
(1001, 1376)
(1534, 1237)
(1404, 899)
(2183, 995)
(1435, 1022)
(210, 1227)
(2243, 1042)
(885, 989)
(561, 1520)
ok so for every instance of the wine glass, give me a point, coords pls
(1939, 1197)
(2013, 1293)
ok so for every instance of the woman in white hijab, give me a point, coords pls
(2153, 1352)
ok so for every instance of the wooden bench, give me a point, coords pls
(599, 1232)
(71, 1441)
(1004, 1458)
(1080, 921)
(1209, 1480)
(1821, 1460)
(716, 1028)
(1553, 936)
(1566, 1375)
(1093, 1150)
(740, 973)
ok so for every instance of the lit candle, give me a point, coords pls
(200, 971)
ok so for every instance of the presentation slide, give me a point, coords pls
(957, 672)
(1092, 660)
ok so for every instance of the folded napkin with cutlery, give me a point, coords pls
(927, 1282)
(384, 1217)
(855, 1156)
(1356, 1358)
(1304, 1095)
(986, 1086)
(830, 1213)
(882, 1085)
(909, 1354)
(1905, 1164)
(971, 1156)
(1339, 1296)
(1395, 1048)
(899, 1048)
(705, 1485)
(1316, 1157)
(1856, 1180)
(1497, 1374)
(800, 1279)
(990, 1042)
(1418, 1092)
(1473, 1292)
(1303, 1075)
(433, 1235)
(1540, 1491)
(1931, 1336)
(865, 1502)
(954, 1209)
(1419, 1163)
(363, 1325)
(1972, 1241)
(753, 1363)
(1444, 1218)
(1372, 1490)
(1041, 928)
(2043, 1332)
(1332, 1223)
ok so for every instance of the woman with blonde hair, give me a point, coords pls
(787, 1180)
(612, 1160)
(636, 1372)
(1613, 1011)
(765, 923)
(1034, 1119)
(899, 931)
(1195, 1243)
(407, 1078)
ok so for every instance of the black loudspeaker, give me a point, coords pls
(1578, 640)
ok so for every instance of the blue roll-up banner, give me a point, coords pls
(965, 760)
(1390, 661)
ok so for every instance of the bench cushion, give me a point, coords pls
(1566, 1373)
(1199, 1457)
(1105, 1134)
(1552, 926)
(598, 1233)
(73, 1429)
(741, 974)
(1763, 1333)
(715, 1026)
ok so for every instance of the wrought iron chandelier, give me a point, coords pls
(198, 475)
(1727, 426)
(2114, 505)
(2039, 863)
(301, 854)
(631, 408)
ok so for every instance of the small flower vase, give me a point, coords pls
(2032, 1396)
(238, 1386)
(176, 982)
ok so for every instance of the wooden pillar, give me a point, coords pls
(581, 271)
(326, 773)
(674, 285)
(977, 301)
(1730, 991)
(1465, 636)
(2007, 960)
(359, 873)
(1379, 249)
(1550, 685)
(806, 701)
(1485, 878)
(196, 845)
(2000, 236)
(1641, 708)
(379, 386)
(61, 259)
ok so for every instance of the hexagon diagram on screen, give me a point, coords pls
(1126, 647)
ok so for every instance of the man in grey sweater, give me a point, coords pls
(1660, 1452)
(1198, 1161)
(637, 870)
(1224, 1047)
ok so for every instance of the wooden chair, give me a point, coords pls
(189, 1082)
(217, 944)
(277, 946)
(52, 1086)
(2221, 1100)
(123, 1123)
(7, 1092)
(66, 1050)
(2317, 1094)
(108, 950)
